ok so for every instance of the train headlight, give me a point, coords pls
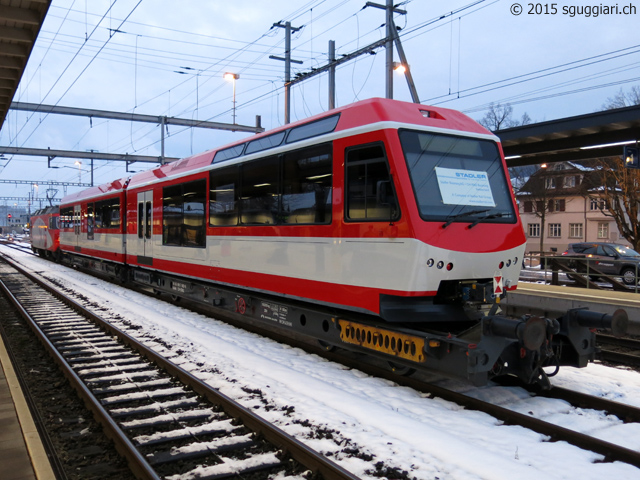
(430, 262)
(509, 263)
(449, 266)
(501, 265)
(440, 264)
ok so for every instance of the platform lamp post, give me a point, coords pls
(79, 164)
(233, 77)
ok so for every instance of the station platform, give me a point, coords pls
(22, 455)
(554, 300)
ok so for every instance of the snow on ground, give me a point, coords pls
(337, 410)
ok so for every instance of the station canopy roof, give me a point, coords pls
(20, 23)
(583, 137)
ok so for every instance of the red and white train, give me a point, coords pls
(382, 226)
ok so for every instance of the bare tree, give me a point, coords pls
(619, 187)
(498, 116)
(535, 189)
(501, 116)
(525, 120)
(623, 99)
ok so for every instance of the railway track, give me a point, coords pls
(162, 419)
(609, 451)
(625, 351)
(20, 247)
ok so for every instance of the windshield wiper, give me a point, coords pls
(487, 217)
(451, 218)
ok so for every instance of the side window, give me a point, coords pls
(140, 218)
(90, 221)
(259, 199)
(147, 221)
(183, 217)
(171, 215)
(114, 214)
(97, 215)
(223, 197)
(193, 230)
(77, 219)
(370, 195)
(306, 186)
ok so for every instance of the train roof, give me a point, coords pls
(97, 191)
(52, 209)
(355, 115)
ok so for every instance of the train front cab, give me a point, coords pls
(456, 201)
(45, 233)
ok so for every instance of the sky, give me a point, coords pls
(398, 426)
(162, 57)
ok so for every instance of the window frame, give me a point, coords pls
(572, 230)
(168, 238)
(555, 230)
(603, 230)
(394, 213)
(240, 173)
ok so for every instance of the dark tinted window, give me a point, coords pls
(90, 221)
(66, 217)
(141, 221)
(193, 233)
(108, 213)
(223, 197)
(227, 153)
(183, 217)
(313, 129)
(369, 189)
(259, 202)
(265, 142)
(306, 186)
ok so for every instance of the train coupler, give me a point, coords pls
(530, 331)
(618, 322)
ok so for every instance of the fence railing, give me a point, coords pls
(582, 271)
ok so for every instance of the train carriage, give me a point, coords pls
(383, 226)
(92, 226)
(323, 210)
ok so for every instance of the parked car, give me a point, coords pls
(609, 258)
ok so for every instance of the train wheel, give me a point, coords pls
(401, 370)
(175, 298)
(326, 346)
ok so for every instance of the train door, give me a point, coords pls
(77, 217)
(145, 227)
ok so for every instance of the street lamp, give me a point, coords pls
(399, 67)
(79, 163)
(233, 77)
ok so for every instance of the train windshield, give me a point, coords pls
(457, 179)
